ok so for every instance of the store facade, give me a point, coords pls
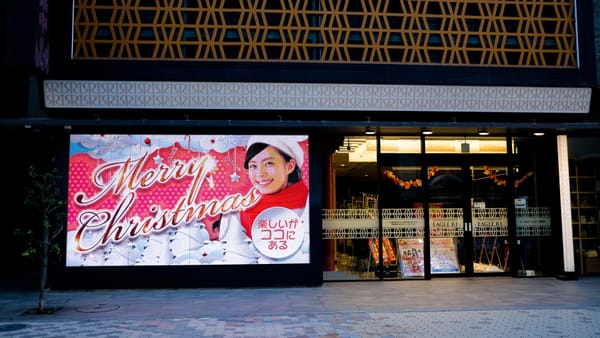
(458, 199)
(448, 205)
(415, 123)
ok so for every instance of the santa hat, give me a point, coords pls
(286, 143)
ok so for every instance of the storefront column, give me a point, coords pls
(329, 203)
(565, 204)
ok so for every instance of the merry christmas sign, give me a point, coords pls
(187, 200)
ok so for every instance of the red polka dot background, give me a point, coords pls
(161, 151)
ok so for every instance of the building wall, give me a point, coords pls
(26, 58)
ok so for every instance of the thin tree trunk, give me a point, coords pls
(44, 270)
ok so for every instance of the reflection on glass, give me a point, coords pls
(489, 218)
(458, 145)
(353, 217)
(403, 222)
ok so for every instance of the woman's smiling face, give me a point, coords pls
(268, 171)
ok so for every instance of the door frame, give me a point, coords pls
(465, 161)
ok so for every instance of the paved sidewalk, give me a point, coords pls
(442, 307)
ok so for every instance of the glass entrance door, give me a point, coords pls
(468, 219)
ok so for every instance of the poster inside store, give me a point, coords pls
(187, 200)
(412, 262)
(444, 257)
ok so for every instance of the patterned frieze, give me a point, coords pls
(92, 94)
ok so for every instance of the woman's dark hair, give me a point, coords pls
(256, 148)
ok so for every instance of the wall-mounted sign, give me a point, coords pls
(187, 200)
(521, 202)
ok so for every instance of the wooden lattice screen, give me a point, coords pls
(538, 33)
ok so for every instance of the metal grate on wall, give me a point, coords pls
(528, 33)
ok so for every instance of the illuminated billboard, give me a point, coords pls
(187, 200)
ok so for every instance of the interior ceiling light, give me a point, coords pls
(369, 131)
(427, 131)
(537, 132)
(483, 132)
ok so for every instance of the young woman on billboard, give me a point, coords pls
(276, 228)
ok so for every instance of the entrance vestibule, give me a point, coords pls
(420, 207)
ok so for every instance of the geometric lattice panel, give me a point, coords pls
(512, 33)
